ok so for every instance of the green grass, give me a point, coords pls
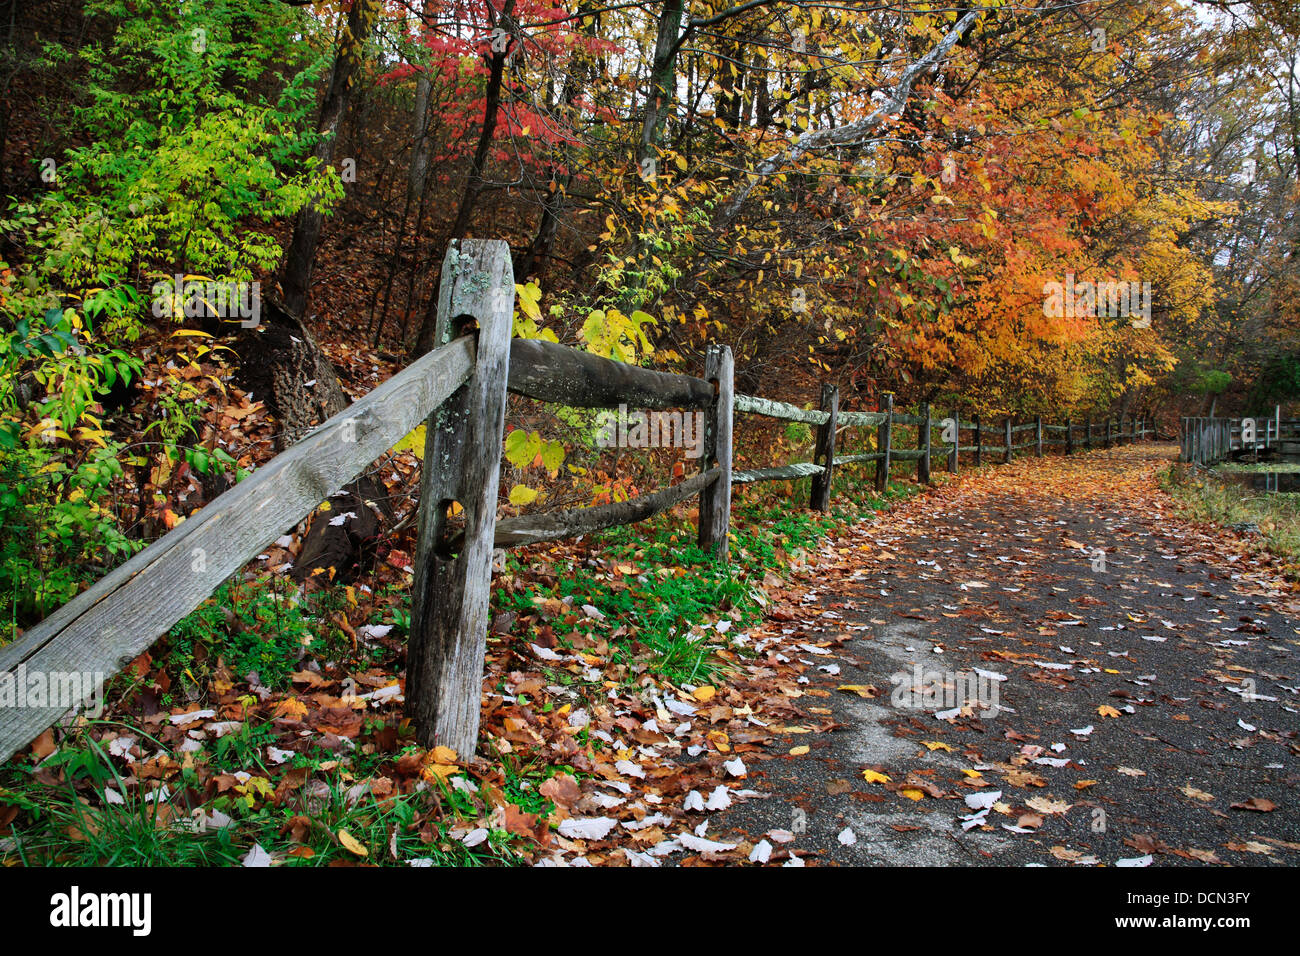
(255, 626)
(248, 627)
(1207, 498)
(73, 824)
(674, 585)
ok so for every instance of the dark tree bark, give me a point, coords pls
(474, 183)
(295, 279)
(281, 364)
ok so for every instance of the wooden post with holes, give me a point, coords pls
(1039, 423)
(715, 499)
(462, 465)
(1069, 437)
(923, 444)
(1006, 455)
(955, 450)
(884, 436)
(824, 452)
(979, 443)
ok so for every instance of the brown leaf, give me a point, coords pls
(562, 790)
(43, 745)
(1258, 804)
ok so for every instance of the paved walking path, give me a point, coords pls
(1145, 671)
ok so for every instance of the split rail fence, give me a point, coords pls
(459, 390)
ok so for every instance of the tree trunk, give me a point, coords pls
(533, 262)
(474, 183)
(281, 364)
(295, 280)
(662, 89)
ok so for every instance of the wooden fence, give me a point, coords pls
(459, 389)
(1209, 440)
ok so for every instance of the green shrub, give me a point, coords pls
(249, 627)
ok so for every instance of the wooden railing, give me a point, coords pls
(459, 389)
(1209, 440)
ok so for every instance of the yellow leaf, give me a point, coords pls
(413, 442)
(351, 845)
(705, 694)
(522, 495)
(1107, 711)
(936, 745)
(912, 794)
(874, 776)
(444, 755)
(799, 751)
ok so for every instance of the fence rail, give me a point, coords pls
(459, 390)
(1206, 441)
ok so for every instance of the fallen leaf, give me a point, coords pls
(351, 845)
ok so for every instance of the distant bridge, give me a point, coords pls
(1210, 440)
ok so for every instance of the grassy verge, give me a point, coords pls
(97, 815)
(1207, 498)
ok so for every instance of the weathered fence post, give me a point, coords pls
(1069, 437)
(923, 443)
(462, 464)
(1006, 455)
(1107, 439)
(955, 451)
(715, 499)
(979, 443)
(884, 435)
(825, 450)
(1087, 441)
(1039, 422)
